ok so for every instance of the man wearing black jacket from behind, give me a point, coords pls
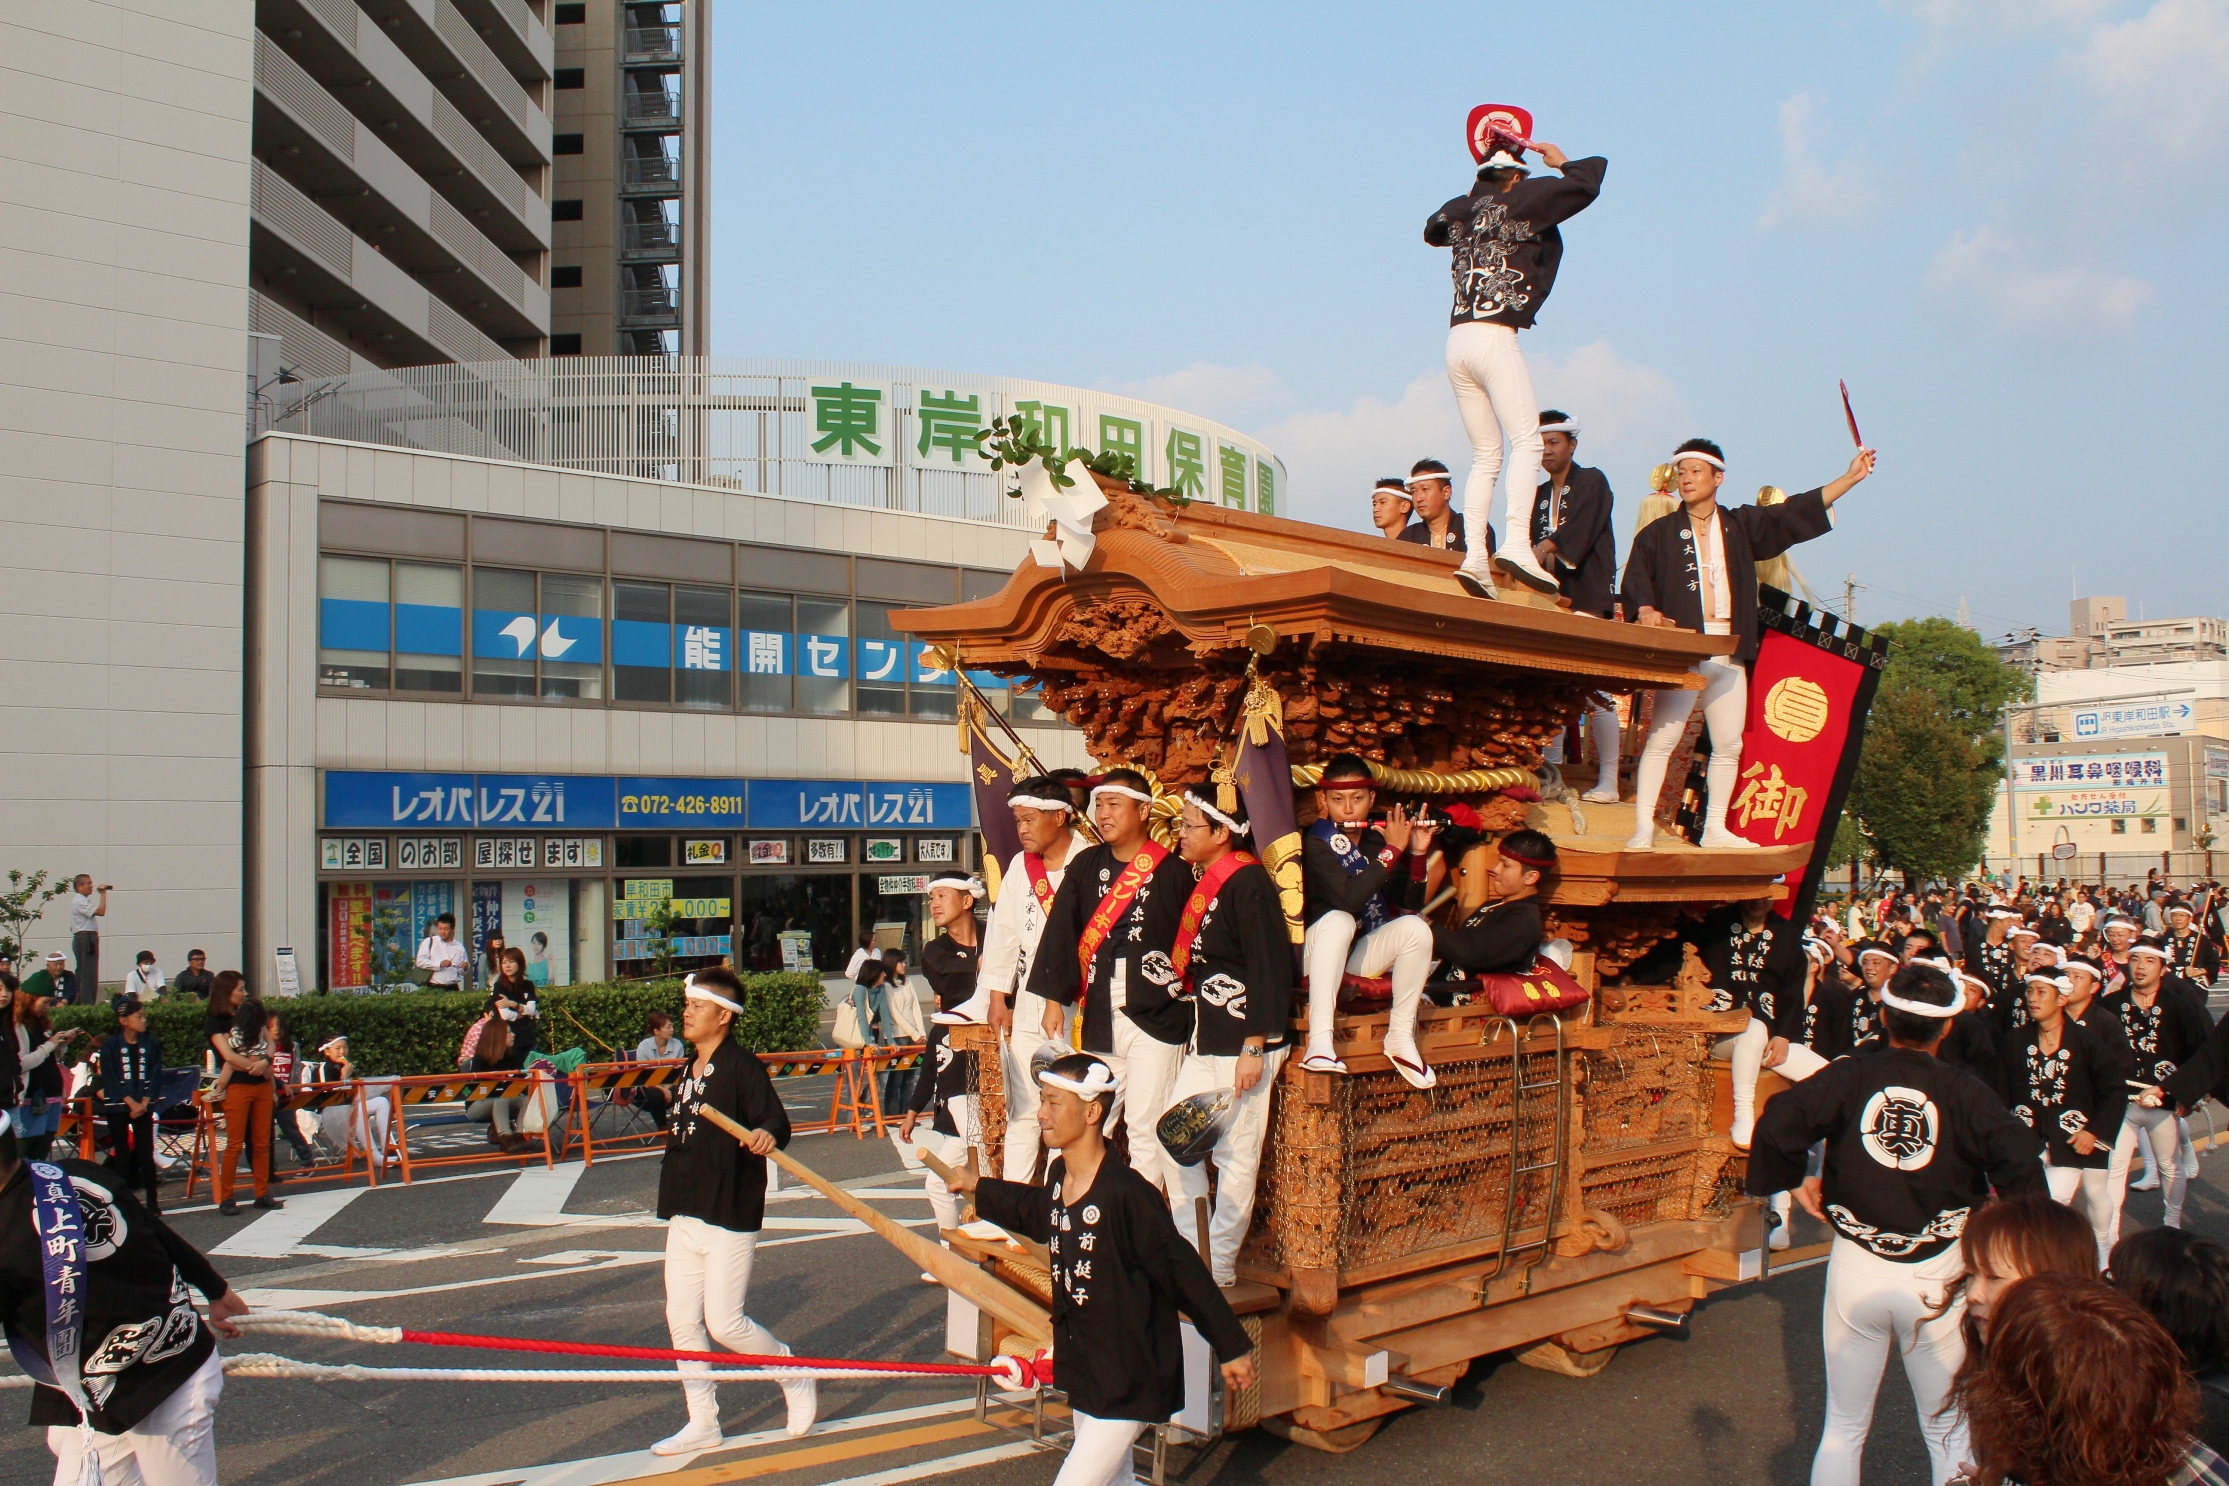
(712, 1195)
(145, 1363)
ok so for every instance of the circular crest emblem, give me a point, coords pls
(1340, 843)
(1091, 1213)
(1796, 709)
(1898, 1128)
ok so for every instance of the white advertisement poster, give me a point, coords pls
(537, 918)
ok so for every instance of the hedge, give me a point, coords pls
(416, 1032)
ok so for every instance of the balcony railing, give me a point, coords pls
(651, 109)
(650, 173)
(653, 43)
(649, 304)
(649, 239)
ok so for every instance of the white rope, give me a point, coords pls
(310, 1323)
(269, 1365)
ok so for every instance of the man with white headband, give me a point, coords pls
(1507, 249)
(1696, 569)
(950, 962)
(1362, 888)
(1875, 965)
(2067, 1084)
(1235, 958)
(1120, 1278)
(1572, 538)
(712, 1198)
(2189, 952)
(1118, 905)
(2120, 934)
(96, 1294)
(1044, 818)
(2164, 1031)
(1390, 505)
(1971, 1042)
(1990, 955)
(1910, 1141)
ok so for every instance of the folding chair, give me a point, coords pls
(175, 1116)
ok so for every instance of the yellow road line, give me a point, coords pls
(837, 1451)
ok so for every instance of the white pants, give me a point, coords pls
(1026, 1036)
(2156, 1132)
(1331, 950)
(1100, 1455)
(1237, 1156)
(1602, 727)
(2093, 1183)
(1746, 1051)
(342, 1127)
(708, 1276)
(1725, 710)
(1870, 1303)
(176, 1445)
(952, 1151)
(1493, 393)
(1147, 1067)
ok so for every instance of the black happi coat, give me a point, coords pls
(706, 1173)
(1507, 247)
(1994, 963)
(1909, 1142)
(1827, 1017)
(1121, 1275)
(1499, 938)
(1242, 967)
(1583, 536)
(2080, 1087)
(1419, 533)
(1666, 574)
(2204, 1072)
(950, 968)
(1136, 949)
(2162, 1036)
(2193, 952)
(1971, 1044)
(1326, 884)
(142, 1338)
(1762, 971)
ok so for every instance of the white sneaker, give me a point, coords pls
(2148, 1182)
(693, 1440)
(1477, 577)
(1600, 795)
(803, 1397)
(1520, 565)
(2190, 1162)
(1322, 1062)
(1643, 839)
(1725, 840)
(1780, 1238)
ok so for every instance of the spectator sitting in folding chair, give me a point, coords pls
(341, 1124)
(658, 1046)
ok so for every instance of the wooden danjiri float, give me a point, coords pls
(1565, 1189)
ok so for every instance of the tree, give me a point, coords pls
(21, 906)
(1933, 757)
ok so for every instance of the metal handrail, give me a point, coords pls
(653, 43)
(651, 108)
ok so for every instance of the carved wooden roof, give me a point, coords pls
(1216, 573)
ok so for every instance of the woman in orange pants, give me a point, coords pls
(237, 1027)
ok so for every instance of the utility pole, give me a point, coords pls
(1849, 598)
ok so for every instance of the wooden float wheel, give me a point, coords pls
(1331, 1441)
(1553, 1357)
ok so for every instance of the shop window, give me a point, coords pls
(643, 851)
(429, 627)
(683, 919)
(806, 909)
(641, 642)
(764, 642)
(537, 635)
(355, 623)
(822, 655)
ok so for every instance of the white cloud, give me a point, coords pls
(1999, 16)
(2159, 81)
(1809, 194)
(1227, 394)
(1628, 413)
(1999, 276)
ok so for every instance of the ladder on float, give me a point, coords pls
(1554, 1086)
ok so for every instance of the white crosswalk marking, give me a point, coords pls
(537, 1198)
(275, 1235)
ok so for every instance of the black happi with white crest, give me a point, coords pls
(950, 968)
(1121, 1275)
(1910, 1141)
(706, 1173)
(1242, 967)
(1506, 244)
(2162, 1036)
(2078, 1086)
(1760, 969)
(1664, 573)
(1132, 963)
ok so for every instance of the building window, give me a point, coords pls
(641, 642)
(572, 637)
(2119, 827)
(2148, 826)
(566, 277)
(567, 344)
(385, 625)
(823, 655)
(550, 646)
(764, 642)
(894, 674)
(575, 14)
(703, 648)
(567, 210)
(505, 633)
(566, 144)
(571, 77)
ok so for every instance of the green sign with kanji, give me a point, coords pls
(1265, 487)
(948, 423)
(848, 419)
(1231, 466)
(1123, 436)
(1049, 421)
(1187, 463)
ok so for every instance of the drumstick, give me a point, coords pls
(1032, 1324)
(1849, 416)
(945, 1174)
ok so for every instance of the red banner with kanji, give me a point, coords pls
(1809, 689)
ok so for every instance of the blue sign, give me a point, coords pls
(825, 656)
(507, 634)
(382, 800)
(703, 647)
(584, 802)
(636, 643)
(925, 671)
(351, 624)
(681, 804)
(596, 802)
(429, 629)
(765, 653)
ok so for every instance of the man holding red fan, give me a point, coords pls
(1506, 251)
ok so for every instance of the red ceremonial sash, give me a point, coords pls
(1195, 909)
(1039, 882)
(1112, 907)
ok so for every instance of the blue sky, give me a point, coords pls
(1999, 220)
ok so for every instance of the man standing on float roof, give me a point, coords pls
(1506, 252)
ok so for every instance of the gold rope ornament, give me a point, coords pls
(1427, 781)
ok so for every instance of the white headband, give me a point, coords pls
(1876, 950)
(972, 886)
(2024, 929)
(1710, 459)
(691, 991)
(1974, 980)
(2179, 908)
(2058, 982)
(2147, 949)
(1922, 1008)
(1214, 814)
(1416, 475)
(1036, 802)
(1567, 426)
(1098, 1083)
(2002, 913)
(1123, 790)
(2086, 968)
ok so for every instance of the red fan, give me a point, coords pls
(1503, 122)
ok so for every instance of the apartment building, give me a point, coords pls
(2100, 634)
(629, 275)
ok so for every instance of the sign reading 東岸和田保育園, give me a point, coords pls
(2079, 786)
(586, 802)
